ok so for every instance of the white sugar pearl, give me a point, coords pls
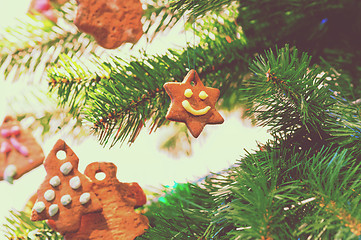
(49, 195)
(55, 181)
(53, 209)
(66, 168)
(75, 182)
(10, 172)
(65, 200)
(84, 198)
(39, 207)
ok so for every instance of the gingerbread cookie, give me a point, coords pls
(193, 103)
(19, 151)
(66, 194)
(118, 220)
(110, 22)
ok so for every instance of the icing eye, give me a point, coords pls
(203, 95)
(188, 93)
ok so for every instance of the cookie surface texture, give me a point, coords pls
(110, 22)
(19, 151)
(193, 103)
(59, 196)
(118, 220)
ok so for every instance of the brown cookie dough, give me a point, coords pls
(193, 103)
(111, 22)
(66, 194)
(118, 220)
(19, 151)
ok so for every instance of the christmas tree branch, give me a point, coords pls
(19, 226)
(294, 99)
(289, 93)
(310, 26)
(200, 7)
(126, 94)
(184, 212)
(34, 44)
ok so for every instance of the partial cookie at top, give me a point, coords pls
(111, 22)
(19, 151)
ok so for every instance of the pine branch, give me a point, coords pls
(158, 18)
(312, 27)
(344, 124)
(34, 44)
(130, 94)
(288, 92)
(294, 99)
(183, 212)
(200, 7)
(285, 193)
(38, 111)
(277, 193)
(19, 226)
(334, 177)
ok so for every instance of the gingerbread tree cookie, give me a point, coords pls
(193, 103)
(118, 220)
(110, 22)
(19, 151)
(66, 194)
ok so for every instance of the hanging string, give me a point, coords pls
(194, 37)
(185, 35)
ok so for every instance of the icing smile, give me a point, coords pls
(193, 111)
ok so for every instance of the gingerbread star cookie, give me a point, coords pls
(193, 103)
(118, 220)
(66, 194)
(110, 22)
(19, 151)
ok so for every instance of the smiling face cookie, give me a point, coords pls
(193, 103)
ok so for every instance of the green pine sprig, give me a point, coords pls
(19, 226)
(119, 97)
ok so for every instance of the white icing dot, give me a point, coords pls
(53, 209)
(55, 181)
(66, 168)
(75, 182)
(39, 207)
(49, 195)
(9, 173)
(65, 200)
(84, 198)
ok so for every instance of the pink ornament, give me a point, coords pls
(5, 147)
(42, 5)
(15, 130)
(20, 148)
(5, 133)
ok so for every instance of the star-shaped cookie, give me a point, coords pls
(193, 103)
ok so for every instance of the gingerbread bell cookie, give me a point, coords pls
(19, 151)
(66, 194)
(118, 220)
(110, 22)
(193, 103)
